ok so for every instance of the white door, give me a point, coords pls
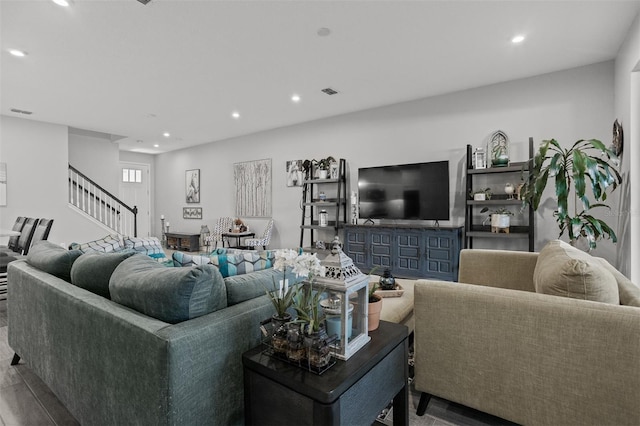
(135, 190)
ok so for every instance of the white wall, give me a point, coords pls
(627, 88)
(36, 154)
(566, 105)
(96, 157)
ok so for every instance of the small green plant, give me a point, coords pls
(307, 306)
(324, 163)
(373, 286)
(501, 210)
(282, 300)
(486, 191)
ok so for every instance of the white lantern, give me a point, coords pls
(347, 307)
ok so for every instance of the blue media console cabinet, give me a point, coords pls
(408, 251)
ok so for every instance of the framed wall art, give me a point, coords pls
(294, 173)
(192, 212)
(252, 184)
(192, 183)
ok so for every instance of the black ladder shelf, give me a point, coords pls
(335, 203)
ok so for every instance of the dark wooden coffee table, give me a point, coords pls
(351, 392)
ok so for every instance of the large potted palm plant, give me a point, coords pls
(587, 164)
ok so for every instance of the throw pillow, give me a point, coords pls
(169, 294)
(52, 258)
(181, 259)
(563, 270)
(629, 292)
(241, 263)
(107, 244)
(92, 271)
(151, 246)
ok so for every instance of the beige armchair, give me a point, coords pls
(491, 343)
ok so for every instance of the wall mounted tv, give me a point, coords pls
(417, 191)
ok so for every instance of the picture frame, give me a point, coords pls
(334, 170)
(192, 212)
(252, 183)
(295, 174)
(192, 186)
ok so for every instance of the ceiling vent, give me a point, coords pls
(329, 91)
(144, 1)
(21, 111)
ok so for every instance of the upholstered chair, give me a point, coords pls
(262, 241)
(224, 224)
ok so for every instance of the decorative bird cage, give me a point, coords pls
(347, 306)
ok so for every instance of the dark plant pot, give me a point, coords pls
(279, 337)
(295, 343)
(318, 350)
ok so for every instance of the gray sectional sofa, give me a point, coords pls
(111, 363)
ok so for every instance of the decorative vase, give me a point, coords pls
(279, 336)
(500, 223)
(322, 174)
(334, 319)
(374, 314)
(499, 149)
(318, 350)
(387, 281)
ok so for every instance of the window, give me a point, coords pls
(132, 175)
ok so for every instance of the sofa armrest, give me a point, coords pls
(498, 268)
(526, 357)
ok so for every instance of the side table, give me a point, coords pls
(183, 241)
(351, 392)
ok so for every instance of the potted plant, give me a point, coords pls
(375, 306)
(588, 163)
(282, 299)
(500, 219)
(481, 194)
(323, 166)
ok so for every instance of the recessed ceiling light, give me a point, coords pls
(63, 3)
(235, 114)
(155, 145)
(166, 134)
(295, 98)
(517, 39)
(18, 53)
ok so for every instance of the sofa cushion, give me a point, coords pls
(248, 286)
(229, 263)
(107, 244)
(563, 270)
(92, 271)
(168, 294)
(151, 246)
(53, 259)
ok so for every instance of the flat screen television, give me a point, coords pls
(418, 191)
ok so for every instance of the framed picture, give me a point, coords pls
(192, 212)
(333, 171)
(252, 183)
(192, 185)
(294, 173)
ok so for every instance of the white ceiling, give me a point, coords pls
(122, 68)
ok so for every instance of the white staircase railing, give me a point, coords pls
(95, 201)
